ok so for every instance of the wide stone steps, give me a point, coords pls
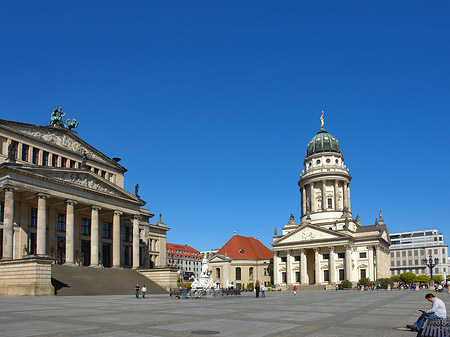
(79, 281)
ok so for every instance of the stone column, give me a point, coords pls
(370, 271)
(70, 231)
(116, 240)
(316, 266)
(304, 200)
(324, 197)
(331, 266)
(8, 224)
(276, 279)
(313, 200)
(378, 260)
(336, 195)
(349, 204)
(288, 268)
(136, 242)
(344, 190)
(41, 248)
(348, 262)
(94, 236)
(303, 267)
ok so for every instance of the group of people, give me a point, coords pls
(140, 290)
(260, 288)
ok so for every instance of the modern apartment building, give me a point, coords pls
(408, 249)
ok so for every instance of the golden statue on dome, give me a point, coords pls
(321, 120)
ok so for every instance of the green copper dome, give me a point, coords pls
(323, 142)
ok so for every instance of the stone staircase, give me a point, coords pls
(79, 281)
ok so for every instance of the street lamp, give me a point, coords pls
(430, 263)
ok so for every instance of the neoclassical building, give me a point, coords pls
(329, 245)
(63, 198)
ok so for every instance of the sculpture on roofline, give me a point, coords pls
(57, 119)
(71, 124)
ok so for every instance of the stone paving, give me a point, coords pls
(309, 313)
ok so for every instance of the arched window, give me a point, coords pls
(238, 274)
(218, 273)
(250, 273)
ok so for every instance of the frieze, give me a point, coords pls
(61, 140)
(82, 180)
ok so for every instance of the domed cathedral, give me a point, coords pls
(329, 245)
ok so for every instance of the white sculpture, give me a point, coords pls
(204, 281)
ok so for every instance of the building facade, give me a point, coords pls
(242, 260)
(408, 249)
(187, 259)
(63, 198)
(329, 245)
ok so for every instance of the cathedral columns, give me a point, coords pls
(370, 271)
(348, 262)
(303, 267)
(331, 266)
(349, 204)
(94, 236)
(336, 195)
(276, 279)
(324, 197)
(288, 268)
(378, 261)
(70, 232)
(304, 200)
(8, 224)
(116, 240)
(313, 201)
(41, 243)
(344, 190)
(316, 266)
(136, 239)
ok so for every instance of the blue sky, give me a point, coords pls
(210, 104)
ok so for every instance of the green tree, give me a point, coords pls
(437, 278)
(395, 278)
(384, 282)
(250, 287)
(364, 281)
(346, 284)
(422, 278)
(407, 277)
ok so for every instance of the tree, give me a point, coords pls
(346, 284)
(395, 278)
(422, 278)
(250, 286)
(407, 277)
(384, 282)
(364, 281)
(437, 278)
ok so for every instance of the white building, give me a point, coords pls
(328, 245)
(408, 249)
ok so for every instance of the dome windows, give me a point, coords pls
(328, 160)
(318, 161)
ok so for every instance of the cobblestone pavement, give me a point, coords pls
(309, 313)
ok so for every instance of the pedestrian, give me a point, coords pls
(144, 290)
(257, 289)
(438, 310)
(137, 288)
(295, 290)
(185, 291)
(263, 291)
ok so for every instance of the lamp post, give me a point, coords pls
(430, 263)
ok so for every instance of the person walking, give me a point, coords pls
(295, 290)
(144, 290)
(185, 289)
(438, 310)
(137, 288)
(257, 289)
(263, 291)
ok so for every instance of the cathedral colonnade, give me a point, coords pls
(327, 194)
(326, 265)
(73, 232)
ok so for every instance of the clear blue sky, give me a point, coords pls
(210, 104)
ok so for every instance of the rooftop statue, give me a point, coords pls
(321, 120)
(136, 190)
(57, 119)
(292, 218)
(71, 124)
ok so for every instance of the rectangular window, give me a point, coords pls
(283, 277)
(63, 162)
(326, 256)
(297, 276)
(35, 158)
(238, 274)
(330, 203)
(326, 276)
(284, 259)
(54, 160)
(45, 155)
(297, 258)
(103, 174)
(127, 235)
(362, 255)
(85, 226)
(363, 273)
(106, 230)
(25, 151)
(435, 252)
(72, 164)
(33, 222)
(2, 211)
(61, 222)
(341, 255)
(341, 275)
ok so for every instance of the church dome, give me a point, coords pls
(323, 142)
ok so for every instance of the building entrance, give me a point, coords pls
(85, 252)
(106, 254)
(310, 266)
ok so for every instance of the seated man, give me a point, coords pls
(438, 310)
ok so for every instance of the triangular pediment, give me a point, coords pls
(62, 138)
(219, 258)
(78, 179)
(307, 233)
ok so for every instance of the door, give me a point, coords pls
(85, 252)
(106, 254)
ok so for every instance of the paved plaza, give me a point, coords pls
(309, 313)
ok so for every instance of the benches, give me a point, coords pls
(436, 327)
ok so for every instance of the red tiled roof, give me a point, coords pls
(183, 250)
(245, 248)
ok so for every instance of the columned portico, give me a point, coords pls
(94, 236)
(288, 268)
(70, 231)
(331, 265)
(136, 242)
(348, 262)
(303, 266)
(276, 279)
(8, 224)
(370, 271)
(116, 239)
(42, 224)
(316, 266)
(378, 260)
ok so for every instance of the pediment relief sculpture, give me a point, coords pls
(84, 181)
